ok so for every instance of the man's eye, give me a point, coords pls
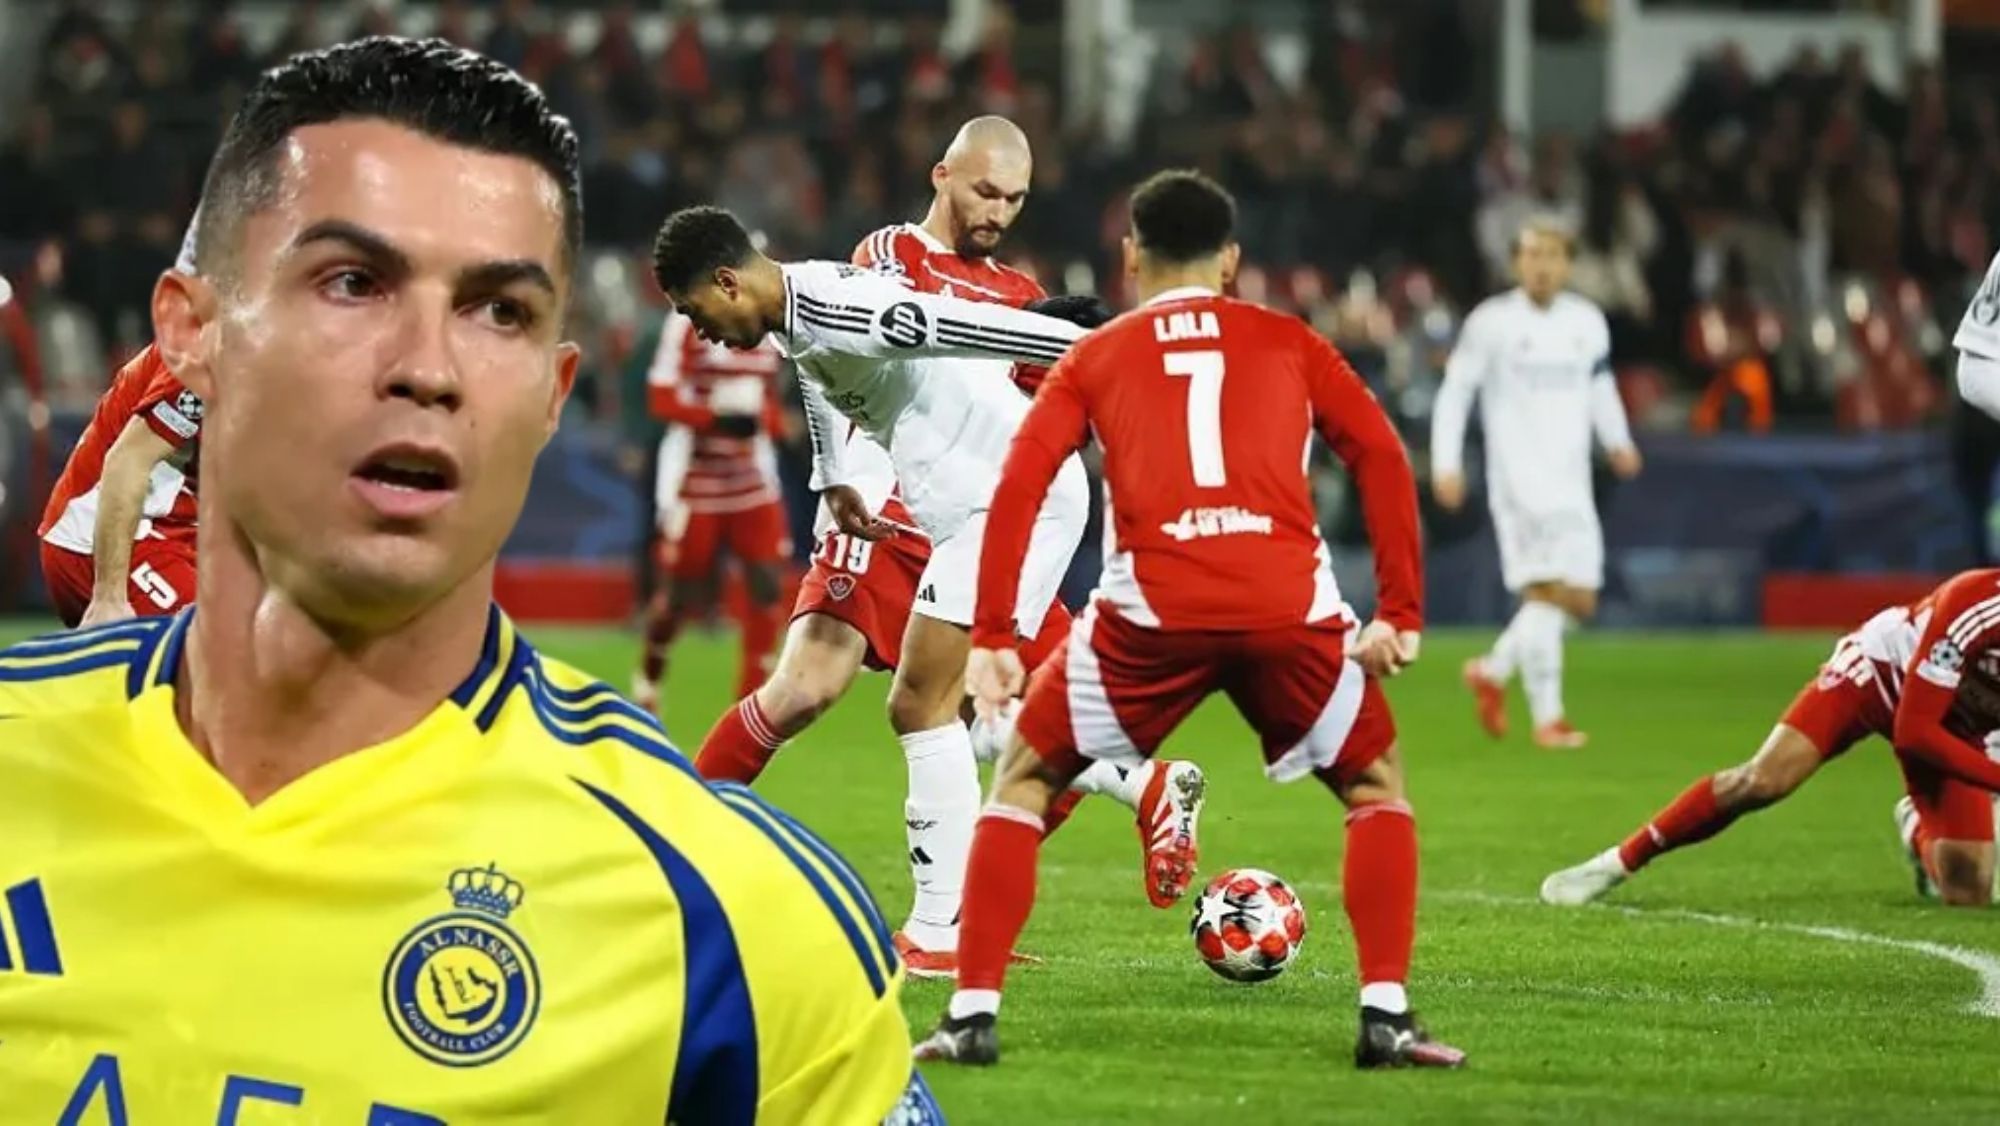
(352, 285)
(503, 313)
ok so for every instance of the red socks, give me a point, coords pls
(761, 626)
(999, 894)
(740, 745)
(1379, 885)
(1692, 817)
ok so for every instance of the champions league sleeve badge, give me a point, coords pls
(461, 989)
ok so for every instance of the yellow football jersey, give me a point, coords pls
(525, 909)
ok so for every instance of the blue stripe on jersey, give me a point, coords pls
(737, 794)
(715, 1074)
(175, 637)
(489, 655)
(918, 1108)
(6, 958)
(757, 813)
(100, 659)
(652, 742)
(517, 670)
(575, 696)
(31, 924)
(54, 644)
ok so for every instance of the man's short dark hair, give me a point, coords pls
(426, 85)
(694, 243)
(1182, 216)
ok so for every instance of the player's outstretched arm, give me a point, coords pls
(1452, 410)
(121, 502)
(1354, 424)
(871, 316)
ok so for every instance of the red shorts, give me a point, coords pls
(871, 586)
(162, 579)
(1115, 691)
(1847, 703)
(694, 541)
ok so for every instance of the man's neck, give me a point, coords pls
(1152, 283)
(1542, 302)
(937, 223)
(767, 281)
(268, 692)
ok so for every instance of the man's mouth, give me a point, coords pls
(411, 469)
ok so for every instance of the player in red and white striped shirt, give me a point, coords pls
(717, 487)
(1925, 677)
(1215, 580)
(118, 531)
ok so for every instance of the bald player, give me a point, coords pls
(854, 608)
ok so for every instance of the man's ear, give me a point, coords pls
(184, 323)
(568, 356)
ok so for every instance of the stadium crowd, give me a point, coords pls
(1777, 249)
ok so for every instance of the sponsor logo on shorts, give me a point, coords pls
(928, 594)
(1206, 523)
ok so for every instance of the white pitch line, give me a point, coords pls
(1986, 966)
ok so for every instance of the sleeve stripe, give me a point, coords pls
(757, 813)
(1967, 627)
(856, 325)
(834, 862)
(818, 306)
(1004, 338)
(1050, 339)
(1011, 346)
(715, 1070)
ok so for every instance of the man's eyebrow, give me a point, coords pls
(485, 275)
(360, 238)
(490, 276)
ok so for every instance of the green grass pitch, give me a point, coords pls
(1646, 1013)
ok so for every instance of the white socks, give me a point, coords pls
(973, 1002)
(1122, 784)
(940, 814)
(1388, 996)
(1532, 643)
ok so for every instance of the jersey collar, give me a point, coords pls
(450, 733)
(929, 240)
(1183, 293)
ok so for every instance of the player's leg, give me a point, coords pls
(819, 659)
(688, 550)
(1317, 712)
(1830, 715)
(1165, 795)
(943, 775)
(850, 613)
(1950, 833)
(760, 543)
(1112, 691)
(1555, 564)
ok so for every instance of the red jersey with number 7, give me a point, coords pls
(1205, 407)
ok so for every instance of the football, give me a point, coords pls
(1248, 925)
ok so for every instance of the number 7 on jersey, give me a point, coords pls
(1204, 413)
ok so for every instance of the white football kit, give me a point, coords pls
(1543, 380)
(926, 378)
(1978, 344)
